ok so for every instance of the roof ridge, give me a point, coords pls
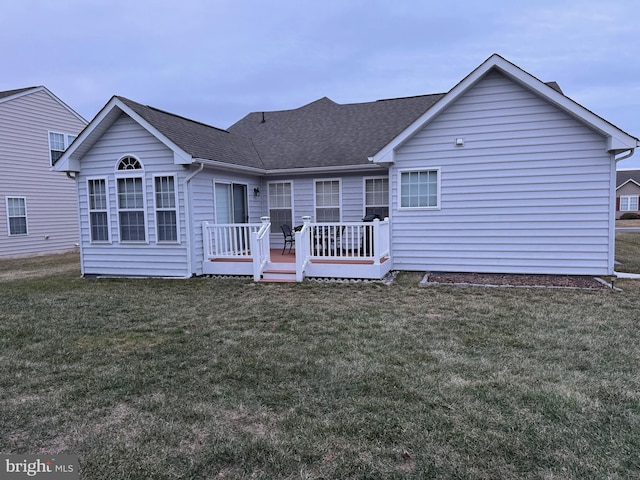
(175, 115)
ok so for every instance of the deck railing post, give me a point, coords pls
(376, 242)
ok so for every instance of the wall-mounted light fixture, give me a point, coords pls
(256, 192)
(459, 142)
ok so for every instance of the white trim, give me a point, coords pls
(48, 92)
(65, 143)
(107, 210)
(131, 171)
(176, 208)
(629, 180)
(275, 182)
(617, 140)
(70, 161)
(137, 174)
(438, 205)
(364, 193)
(628, 199)
(315, 206)
(231, 184)
(26, 216)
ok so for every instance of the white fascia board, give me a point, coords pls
(630, 180)
(231, 166)
(21, 94)
(48, 92)
(311, 170)
(71, 163)
(180, 155)
(617, 140)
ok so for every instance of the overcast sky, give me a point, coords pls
(215, 61)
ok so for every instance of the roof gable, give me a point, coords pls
(625, 176)
(10, 95)
(190, 140)
(617, 140)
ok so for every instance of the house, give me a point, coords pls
(502, 174)
(627, 192)
(39, 207)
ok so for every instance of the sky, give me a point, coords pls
(215, 61)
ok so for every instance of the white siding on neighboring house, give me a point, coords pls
(527, 193)
(126, 137)
(52, 214)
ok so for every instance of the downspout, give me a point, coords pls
(631, 151)
(612, 238)
(187, 210)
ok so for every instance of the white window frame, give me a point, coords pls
(9, 216)
(98, 210)
(175, 208)
(626, 199)
(132, 174)
(67, 139)
(364, 194)
(438, 205)
(270, 207)
(315, 197)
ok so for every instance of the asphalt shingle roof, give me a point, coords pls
(9, 93)
(624, 176)
(198, 139)
(325, 134)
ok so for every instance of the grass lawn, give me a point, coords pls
(227, 379)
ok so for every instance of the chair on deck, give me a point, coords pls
(288, 237)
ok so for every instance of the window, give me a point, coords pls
(131, 210)
(420, 189)
(629, 203)
(58, 143)
(17, 215)
(327, 200)
(166, 211)
(280, 209)
(376, 197)
(98, 213)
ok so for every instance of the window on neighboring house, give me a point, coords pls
(629, 203)
(420, 189)
(130, 190)
(58, 143)
(166, 210)
(98, 211)
(280, 205)
(376, 197)
(17, 215)
(327, 194)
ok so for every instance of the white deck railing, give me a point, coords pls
(261, 248)
(350, 240)
(318, 246)
(228, 240)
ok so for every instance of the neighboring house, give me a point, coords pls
(502, 174)
(627, 192)
(39, 207)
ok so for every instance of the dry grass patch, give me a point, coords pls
(207, 378)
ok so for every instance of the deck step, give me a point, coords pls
(279, 272)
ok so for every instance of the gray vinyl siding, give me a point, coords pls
(352, 198)
(52, 213)
(126, 137)
(529, 192)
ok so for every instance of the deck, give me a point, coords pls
(354, 250)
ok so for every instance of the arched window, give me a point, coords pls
(129, 163)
